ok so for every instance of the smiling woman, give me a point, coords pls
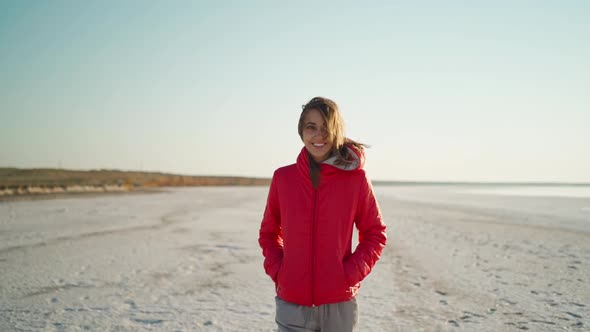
(306, 231)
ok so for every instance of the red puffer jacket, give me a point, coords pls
(306, 232)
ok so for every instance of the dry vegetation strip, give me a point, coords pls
(38, 181)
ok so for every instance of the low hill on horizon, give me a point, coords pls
(50, 177)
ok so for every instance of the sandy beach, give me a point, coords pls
(459, 258)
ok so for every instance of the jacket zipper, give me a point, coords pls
(313, 231)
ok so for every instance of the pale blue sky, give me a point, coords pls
(451, 91)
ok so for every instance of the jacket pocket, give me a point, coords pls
(278, 276)
(345, 275)
(348, 269)
(273, 269)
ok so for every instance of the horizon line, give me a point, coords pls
(374, 181)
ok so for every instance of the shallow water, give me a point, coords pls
(551, 206)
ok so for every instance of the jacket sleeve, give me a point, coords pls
(372, 237)
(270, 236)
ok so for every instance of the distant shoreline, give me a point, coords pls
(17, 182)
(50, 196)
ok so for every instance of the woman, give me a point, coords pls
(306, 230)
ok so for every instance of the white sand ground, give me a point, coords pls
(188, 260)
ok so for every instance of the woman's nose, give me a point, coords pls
(321, 131)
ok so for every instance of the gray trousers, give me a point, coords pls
(333, 317)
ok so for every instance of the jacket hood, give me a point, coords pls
(355, 162)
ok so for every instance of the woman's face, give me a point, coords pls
(315, 135)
